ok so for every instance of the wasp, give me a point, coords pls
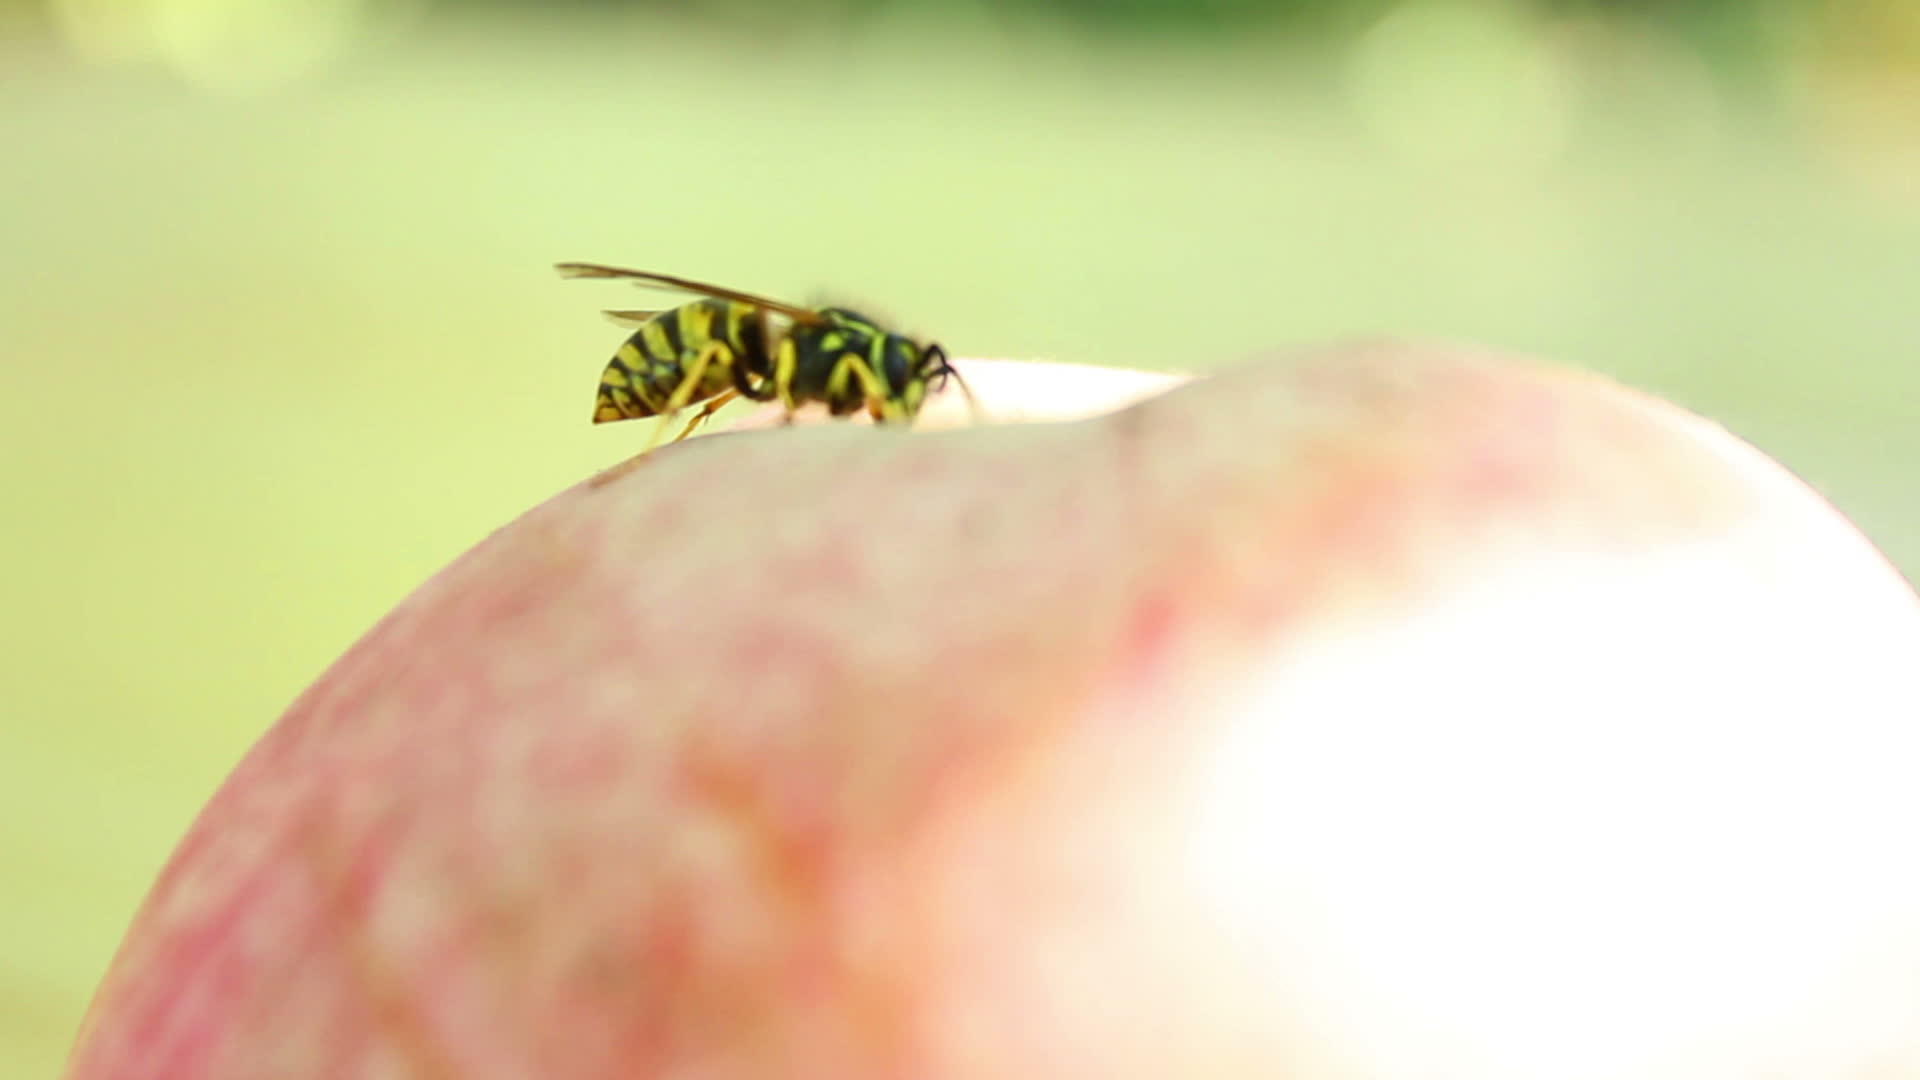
(729, 344)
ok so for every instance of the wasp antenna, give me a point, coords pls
(973, 403)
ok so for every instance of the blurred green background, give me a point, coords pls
(280, 337)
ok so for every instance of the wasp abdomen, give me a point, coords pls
(653, 363)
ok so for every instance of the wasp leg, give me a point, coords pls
(711, 353)
(852, 365)
(713, 405)
(696, 373)
(785, 362)
(753, 376)
(745, 386)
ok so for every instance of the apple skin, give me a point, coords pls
(1384, 710)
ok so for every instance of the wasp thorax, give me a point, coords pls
(851, 363)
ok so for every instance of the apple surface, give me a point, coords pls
(1382, 710)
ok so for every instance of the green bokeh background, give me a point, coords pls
(280, 337)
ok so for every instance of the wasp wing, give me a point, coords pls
(595, 270)
(630, 318)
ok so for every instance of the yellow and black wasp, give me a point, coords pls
(729, 344)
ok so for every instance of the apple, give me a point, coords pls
(1383, 710)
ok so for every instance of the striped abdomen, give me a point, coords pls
(650, 366)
